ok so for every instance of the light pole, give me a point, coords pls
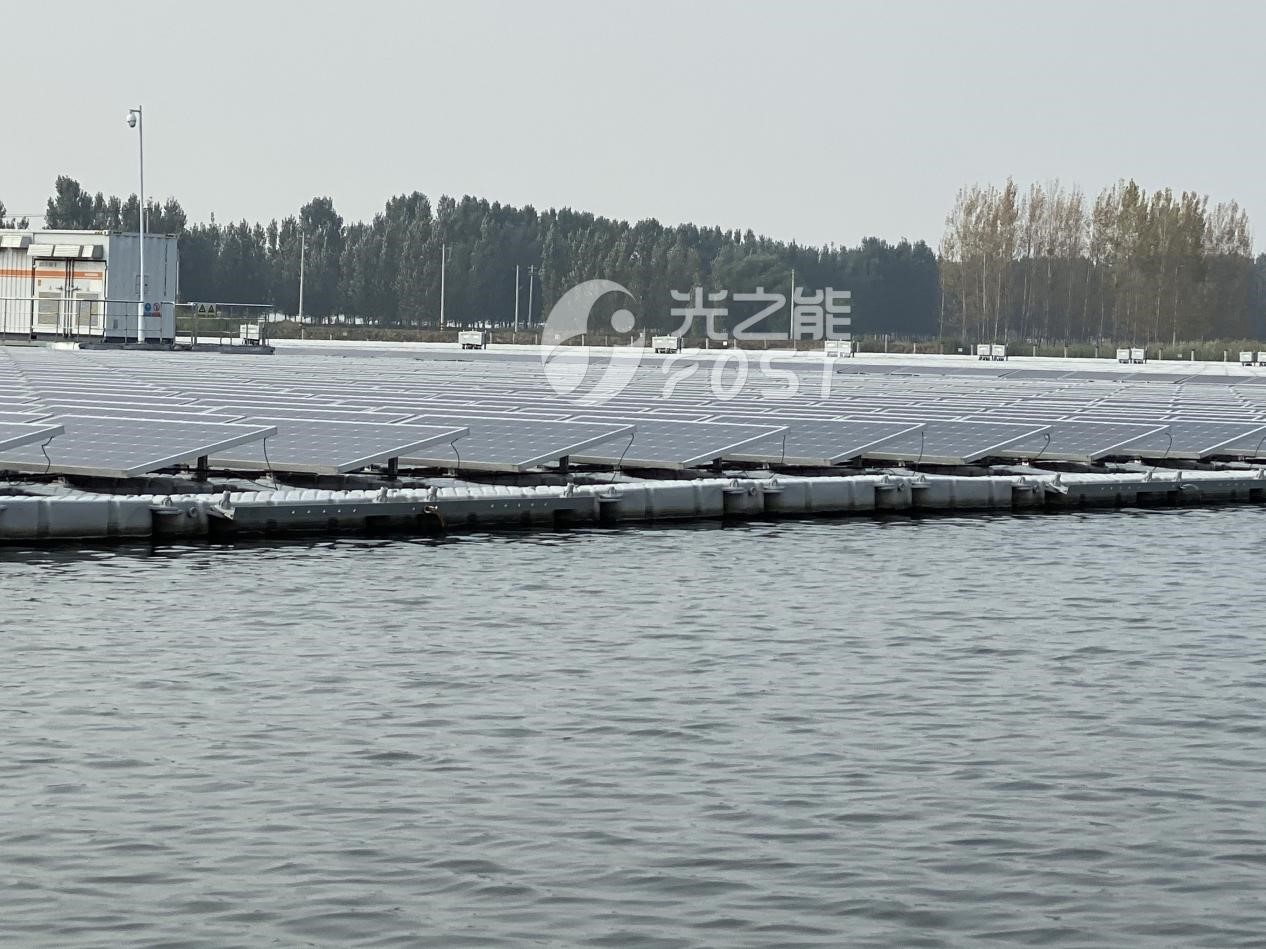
(443, 267)
(134, 120)
(303, 251)
(516, 298)
(531, 282)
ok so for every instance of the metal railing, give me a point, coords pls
(56, 316)
(224, 324)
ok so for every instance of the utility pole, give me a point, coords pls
(443, 267)
(791, 315)
(516, 298)
(303, 247)
(531, 275)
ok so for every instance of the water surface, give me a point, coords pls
(1010, 731)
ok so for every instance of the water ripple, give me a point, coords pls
(904, 732)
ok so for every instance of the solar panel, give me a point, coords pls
(1085, 442)
(17, 434)
(110, 396)
(905, 414)
(909, 390)
(814, 442)
(330, 414)
(1105, 377)
(418, 406)
(540, 414)
(512, 444)
(1195, 440)
(942, 442)
(322, 446)
(127, 448)
(660, 443)
(799, 408)
(1204, 379)
(1044, 374)
(674, 415)
(262, 403)
(122, 411)
(1248, 446)
(1021, 415)
(22, 417)
(918, 370)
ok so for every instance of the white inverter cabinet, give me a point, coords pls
(87, 284)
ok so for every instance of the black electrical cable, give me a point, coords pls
(269, 465)
(1257, 452)
(1044, 446)
(49, 461)
(1168, 448)
(453, 445)
(620, 461)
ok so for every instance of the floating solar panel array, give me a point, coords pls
(660, 443)
(508, 444)
(1086, 442)
(818, 442)
(124, 413)
(950, 442)
(1194, 440)
(322, 446)
(14, 435)
(126, 448)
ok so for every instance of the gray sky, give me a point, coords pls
(820, 122)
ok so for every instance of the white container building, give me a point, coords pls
(86, 285)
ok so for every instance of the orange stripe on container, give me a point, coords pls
(86, 274)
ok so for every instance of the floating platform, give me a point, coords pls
(79, 516)
(100, 445)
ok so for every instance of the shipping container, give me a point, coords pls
(86, 284)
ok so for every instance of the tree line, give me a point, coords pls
(1046, 264)
(1050, 264)
(11, 222)
(386, 271)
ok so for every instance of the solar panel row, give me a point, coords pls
(515, 422)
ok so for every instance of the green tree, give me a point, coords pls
(19, 223)
(70, 207)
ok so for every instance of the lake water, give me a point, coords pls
(958, 731)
